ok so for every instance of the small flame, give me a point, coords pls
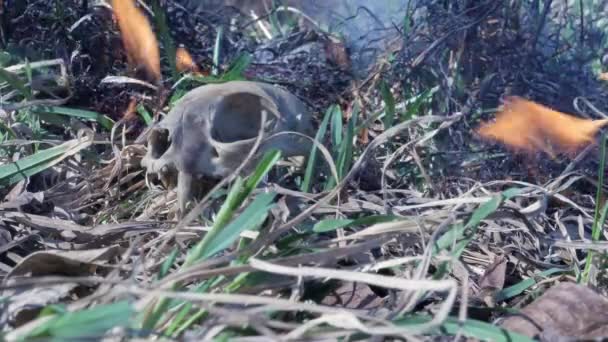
(131, 111)
(525, 125)
(137, 36)
(184, 62)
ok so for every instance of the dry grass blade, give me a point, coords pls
(138, 38)
(409, 285)
(528, 126)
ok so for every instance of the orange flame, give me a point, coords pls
(184, 62)
(131, 111)
(528, 126)
(138, 38)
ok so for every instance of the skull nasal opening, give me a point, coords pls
(237, 118)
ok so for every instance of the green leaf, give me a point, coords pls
(312, 158)
(345, 155)
(414, 104)
(597, 228)
(238, 67)
(31, 165)
(327, 225)
(519, 288)
(330, 225)
(166, 266)
(87, 323)
(389, 104)
(470, 328)
(264, 166)
(103, 120)
(250, 219)
(336, 130)
(216, 50)
(484, 211)
(145, 115)
(16, 83)
(456, 236)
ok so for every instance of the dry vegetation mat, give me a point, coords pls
(231, 170)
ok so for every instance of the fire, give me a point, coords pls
(138, 38)
(184, 62)
(528, 126)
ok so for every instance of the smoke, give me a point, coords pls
(368, 27)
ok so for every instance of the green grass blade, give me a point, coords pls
(597, 228)
(328, 225)
(16, 83)
(216, 51)
(312, 158)
(238, 67)
(414, 104)
(250, 219)
(85, 323)
(222, 218)
(464, 234)
(145, 115)
(238, 194)
(519, 288)
(31, 165)
(166, 266)
(389, 105)
(268, 161)
(469, 328)
(345, 155)
(89, 115)
(336, 130)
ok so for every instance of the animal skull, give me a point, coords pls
(211, 130)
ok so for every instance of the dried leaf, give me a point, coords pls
(566, 310)
(138, 38)
(354, 296)
(26, 303)
(494, 276)
(525, 125)
(493, 280)
(184, 62)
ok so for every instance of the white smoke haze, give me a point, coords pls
(367, 26)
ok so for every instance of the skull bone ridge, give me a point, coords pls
(210, 131)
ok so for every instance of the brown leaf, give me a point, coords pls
(493, 280)
(525, 125)
(27, 302)
(354, 296)
(494, 276)
(566, 310)
(138, 38)
(69, 263)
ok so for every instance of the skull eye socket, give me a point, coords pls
(238, 117)
(159, 142)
